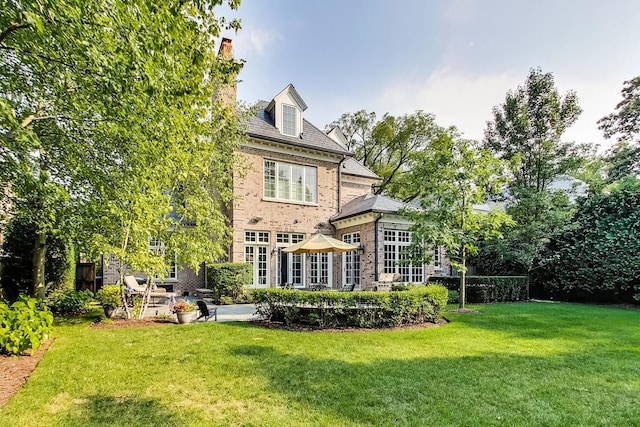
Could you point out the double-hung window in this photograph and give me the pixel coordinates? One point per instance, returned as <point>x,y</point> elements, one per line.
<point>290,182</point>
<point>289,120</point>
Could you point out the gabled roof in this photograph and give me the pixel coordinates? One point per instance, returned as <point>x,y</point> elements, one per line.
<point>369,203</point>
<point>262,126</point>
<point>353,167</point>
<point>294,94</point>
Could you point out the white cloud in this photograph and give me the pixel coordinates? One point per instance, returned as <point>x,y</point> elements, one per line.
<point>466,101</point>
<point>455,99</point>
<point>255,40</point>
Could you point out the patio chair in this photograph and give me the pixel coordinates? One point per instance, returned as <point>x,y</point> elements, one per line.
<point>135,288</point>
<point>207,312</point>
<point>348,288</point>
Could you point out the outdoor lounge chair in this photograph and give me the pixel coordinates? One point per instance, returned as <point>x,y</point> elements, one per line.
<point>135,288</point>
<point>348,288</point>
<point>207,312</point>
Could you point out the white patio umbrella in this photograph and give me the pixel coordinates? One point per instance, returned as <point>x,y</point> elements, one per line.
<point>319,243</point>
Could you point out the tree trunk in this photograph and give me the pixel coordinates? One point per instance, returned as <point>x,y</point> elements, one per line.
<point>39,254</point>
<point>463,277</point>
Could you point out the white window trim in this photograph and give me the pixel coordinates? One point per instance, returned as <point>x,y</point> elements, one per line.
<point>295,120</point>
<point>290,199</point>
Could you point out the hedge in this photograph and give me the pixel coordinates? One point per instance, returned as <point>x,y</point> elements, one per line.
<point>229,281</point>
<point>486,289</point>
<point>340,309</point>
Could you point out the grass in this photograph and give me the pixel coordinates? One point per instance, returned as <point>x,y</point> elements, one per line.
<point>513,364</point>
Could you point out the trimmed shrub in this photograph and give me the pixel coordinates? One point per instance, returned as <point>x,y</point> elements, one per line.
<point>229,281</point>
<point>110,295</point>
<point>454,297</point>
<point>340,309</point>
<point>486,289</point>
<point>69,302</point>
<point>25,325</point>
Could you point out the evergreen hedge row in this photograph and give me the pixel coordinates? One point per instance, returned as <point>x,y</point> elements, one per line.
<point>486,289</point>
<point>340,309</point>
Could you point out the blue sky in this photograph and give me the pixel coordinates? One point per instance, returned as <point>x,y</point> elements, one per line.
<point>456,59</point>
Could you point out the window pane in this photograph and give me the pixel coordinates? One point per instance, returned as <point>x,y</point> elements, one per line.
<point>310,185</point>
<point>289,120</point>
<point>284,177</point>
<point>297,183</point>
<point>269,179</point>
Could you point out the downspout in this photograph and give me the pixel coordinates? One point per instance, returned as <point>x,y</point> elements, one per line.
<point>344,157</point>
<point>377,240</point>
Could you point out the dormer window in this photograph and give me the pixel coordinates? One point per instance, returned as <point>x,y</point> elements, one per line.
<point>289,120</point>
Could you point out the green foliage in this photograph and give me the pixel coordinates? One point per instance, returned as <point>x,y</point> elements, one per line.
<point>527,128</point>
<point>526,132</point>
<point>18,260</point>
<point>598,259</point>
<point>110,295</point>
<point>390,147</point>
<point>109,131</point>
<point>623,159</point>
<point>339,309</point>
<point>454,176</point>
<point>454,297</point>
<point>625,122</point>
<point>184,306</point>
<point>488,289</point>
<point>25,325</point>
<point>68,301</point>
<point>229,282</point>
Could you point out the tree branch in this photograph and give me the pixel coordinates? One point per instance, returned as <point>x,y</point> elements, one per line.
<point>13,27</point>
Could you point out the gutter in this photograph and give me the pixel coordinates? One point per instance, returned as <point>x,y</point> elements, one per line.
<point>344,157</point>
<point>377,243</point>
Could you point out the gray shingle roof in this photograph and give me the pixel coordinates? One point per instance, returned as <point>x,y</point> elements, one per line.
<point>353,167</point>
<point>369,203</point>
<point>261,126</point>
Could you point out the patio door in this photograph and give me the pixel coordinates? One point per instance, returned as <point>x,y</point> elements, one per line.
<point>256,253</point>
<point>351,262</point>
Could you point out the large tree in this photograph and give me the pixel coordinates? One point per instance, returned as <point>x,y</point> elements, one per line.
<point>624,158</point>
<point>526,131</point>
<point>389,147</point>
<point>97,101</point>
<point>454,176</point>
<point>625,121</point>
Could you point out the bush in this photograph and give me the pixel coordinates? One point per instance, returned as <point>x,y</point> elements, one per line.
<point>486,289</point>
<point>25,325</point>
<point>597,260</point>
<point>364,309</point>
<point>69,302</point>
<point>110,295</point>
<point>454,297</point>
<point>229,280</point>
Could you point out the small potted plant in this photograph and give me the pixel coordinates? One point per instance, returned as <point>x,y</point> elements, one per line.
<point>110,298</point>
<point>185,310</point>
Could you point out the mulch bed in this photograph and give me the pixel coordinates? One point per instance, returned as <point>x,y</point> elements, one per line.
<point>15,370</point>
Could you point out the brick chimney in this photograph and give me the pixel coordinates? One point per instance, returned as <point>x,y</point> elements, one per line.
<point>227,92</point>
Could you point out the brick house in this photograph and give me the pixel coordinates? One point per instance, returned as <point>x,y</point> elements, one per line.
<point>299,181</point>
<point>302,181</point>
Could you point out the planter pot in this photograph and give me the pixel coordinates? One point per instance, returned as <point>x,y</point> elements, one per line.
<point>186,316</point>
<point>109,310</point>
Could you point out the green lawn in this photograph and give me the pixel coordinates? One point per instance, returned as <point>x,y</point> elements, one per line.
<point>517,364</point>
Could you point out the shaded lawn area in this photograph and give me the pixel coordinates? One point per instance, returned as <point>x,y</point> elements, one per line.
<point>512,364</point>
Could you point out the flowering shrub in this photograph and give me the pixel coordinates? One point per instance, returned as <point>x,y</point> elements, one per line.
<point>184,306</point>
